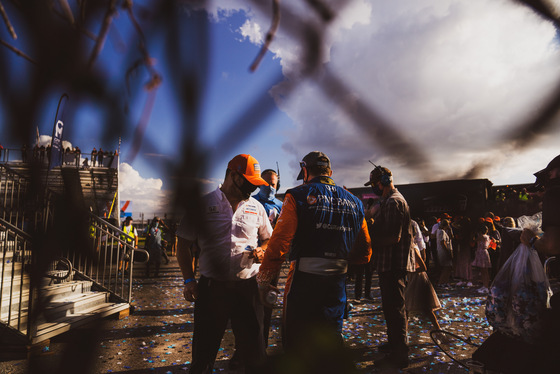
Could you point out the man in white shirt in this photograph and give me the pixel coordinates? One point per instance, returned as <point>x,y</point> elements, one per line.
<point>233,225</point>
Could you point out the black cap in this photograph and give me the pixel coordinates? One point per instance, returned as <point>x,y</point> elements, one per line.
<point>376,174</point>
<point>314,158</point>
<point>541,174</point>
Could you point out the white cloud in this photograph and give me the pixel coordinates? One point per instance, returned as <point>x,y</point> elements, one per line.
<point>145,194</point>
<point>252,31</point>
<point>454,77</point>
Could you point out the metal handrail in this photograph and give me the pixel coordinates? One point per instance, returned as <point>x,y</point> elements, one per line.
<point>15,156</point>
<point>13,189</point>
<point>17,230</point>
<point>16,249</point>
<point>111,248</point>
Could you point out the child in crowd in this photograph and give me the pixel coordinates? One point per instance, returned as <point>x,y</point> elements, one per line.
<point>482,258</point>
<point>420,295</point>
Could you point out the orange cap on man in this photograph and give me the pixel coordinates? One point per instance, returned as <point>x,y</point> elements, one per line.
<point>249,167</point>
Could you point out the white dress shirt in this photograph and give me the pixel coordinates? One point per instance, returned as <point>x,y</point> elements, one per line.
<point>229,234</point>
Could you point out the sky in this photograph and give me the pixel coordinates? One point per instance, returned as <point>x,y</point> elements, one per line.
<point>431,89</point>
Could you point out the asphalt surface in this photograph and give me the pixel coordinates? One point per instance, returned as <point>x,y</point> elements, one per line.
<point>157,337</point>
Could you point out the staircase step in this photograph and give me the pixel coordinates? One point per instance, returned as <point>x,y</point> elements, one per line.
<point>66,290</point>
<point>74,304</point>
<point>64,296</point>
<point>49,329</point>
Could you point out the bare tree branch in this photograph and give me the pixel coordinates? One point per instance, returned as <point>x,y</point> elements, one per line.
<point>17,52</point>
<point>7,21</point>
<point>67,11</point>
<point>269,35</point>
<point>111,10</point>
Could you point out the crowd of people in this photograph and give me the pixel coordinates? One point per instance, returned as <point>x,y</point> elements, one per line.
<point>69,156</point>
<point>238,243</point>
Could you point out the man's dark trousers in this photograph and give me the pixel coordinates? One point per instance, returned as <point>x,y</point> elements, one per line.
<point>217,303</point>
<point>392,285</point>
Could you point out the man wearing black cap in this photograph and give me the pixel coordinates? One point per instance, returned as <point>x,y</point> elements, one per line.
<point>234,224</point>
<point>549,243</point>
<point>321,229</point>
<point>393,249</point>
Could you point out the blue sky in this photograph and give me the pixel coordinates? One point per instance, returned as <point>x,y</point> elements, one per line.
<point>452,78</point>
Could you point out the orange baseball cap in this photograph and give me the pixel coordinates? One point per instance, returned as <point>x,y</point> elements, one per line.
<point>249,167</point>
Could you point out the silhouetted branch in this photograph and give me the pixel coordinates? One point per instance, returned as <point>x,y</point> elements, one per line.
<point>142,125</point>
<point>269,35</point>
<point>111,10</point>
<point>17,51</point>
<point>67,11</point>
<point>7,21</point>
<point>542,8</point>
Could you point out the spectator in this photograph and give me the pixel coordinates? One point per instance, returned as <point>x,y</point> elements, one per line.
<point>93,156</point>
<point>393,250</point>
<point>445,252</point>
<point>24,152</point>
<point>153,245</point>
<point>78,152</point>
<point>267,195</point>
<point>420,295</point>
<point>549,244</point>
<point>482,258</point>
<point>100,157</point>
<point>510,240</point>
<point>463,268</point>
<point>85,164</point>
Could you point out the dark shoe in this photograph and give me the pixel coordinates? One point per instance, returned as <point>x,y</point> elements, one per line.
<point>385,348</point>
<point>392,361</point>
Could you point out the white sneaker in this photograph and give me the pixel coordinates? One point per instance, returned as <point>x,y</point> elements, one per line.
<point>469,284</point>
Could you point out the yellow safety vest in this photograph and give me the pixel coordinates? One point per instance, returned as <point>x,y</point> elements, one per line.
<point>129,234</point>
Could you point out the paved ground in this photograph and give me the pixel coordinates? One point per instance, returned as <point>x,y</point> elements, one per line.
<point>156,338</point>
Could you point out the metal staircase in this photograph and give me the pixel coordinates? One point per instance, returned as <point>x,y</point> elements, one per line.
<point>46,294</point>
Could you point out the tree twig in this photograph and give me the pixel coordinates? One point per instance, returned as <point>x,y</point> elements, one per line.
<point>67,11</point>
<point>17,52</point>
<point>269,35</point>
<point>7,21</point>
<point>111,9</point>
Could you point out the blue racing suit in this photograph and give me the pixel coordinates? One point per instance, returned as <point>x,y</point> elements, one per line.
<point>322,226</point>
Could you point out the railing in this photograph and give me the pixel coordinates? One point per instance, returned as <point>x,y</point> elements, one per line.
<point>112,266</point>
<point>15,300</point>
<point>20,207</point>
<point>71,158</point>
